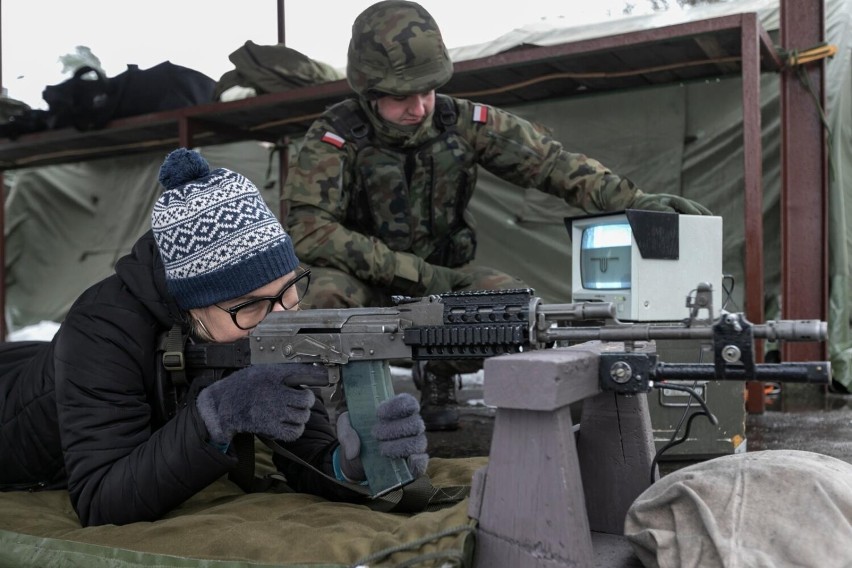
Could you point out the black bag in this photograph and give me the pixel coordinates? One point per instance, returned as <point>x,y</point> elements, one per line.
<point>165,86</point>
<point>90,103</point>
<point>24,122</point>
<point>82,102</point>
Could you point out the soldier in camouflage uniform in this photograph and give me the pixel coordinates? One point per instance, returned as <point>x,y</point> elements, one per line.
<point>379,191</point>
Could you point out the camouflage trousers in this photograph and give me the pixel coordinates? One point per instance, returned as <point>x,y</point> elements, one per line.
<point>332,288</point>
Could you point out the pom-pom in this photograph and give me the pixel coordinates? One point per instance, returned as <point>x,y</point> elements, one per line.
<point>182,166</point>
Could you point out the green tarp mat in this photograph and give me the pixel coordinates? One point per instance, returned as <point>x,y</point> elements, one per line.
<point>223,527</point>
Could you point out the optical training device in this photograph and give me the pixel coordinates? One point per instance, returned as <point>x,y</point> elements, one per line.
<point>641,261</point>
<point>648,265</point>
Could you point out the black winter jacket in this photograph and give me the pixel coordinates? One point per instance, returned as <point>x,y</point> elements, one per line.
<point>82,408</point>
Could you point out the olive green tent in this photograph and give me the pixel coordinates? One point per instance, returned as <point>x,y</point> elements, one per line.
<point>66,225</point>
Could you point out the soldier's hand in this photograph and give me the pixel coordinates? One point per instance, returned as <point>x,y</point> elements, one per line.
<point>443,279</point>
<point>667,202</point>
<point>416,277</point>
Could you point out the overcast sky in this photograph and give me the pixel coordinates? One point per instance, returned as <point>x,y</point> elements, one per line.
<point>200,34</point>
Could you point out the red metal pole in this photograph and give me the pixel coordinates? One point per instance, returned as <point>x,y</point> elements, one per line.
<point>804,179</point>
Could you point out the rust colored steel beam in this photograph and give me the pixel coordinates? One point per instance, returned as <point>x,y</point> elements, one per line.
<point>804,179</point>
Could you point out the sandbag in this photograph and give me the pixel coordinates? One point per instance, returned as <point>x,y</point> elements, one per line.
<point>768,509</point>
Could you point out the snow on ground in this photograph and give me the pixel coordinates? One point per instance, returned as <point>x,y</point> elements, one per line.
<point>42,331</point>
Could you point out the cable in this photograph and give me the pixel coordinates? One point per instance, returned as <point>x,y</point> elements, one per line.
<point>791,59</point>
<point>796,59</point>
<point>527,83</point>
<point>594,75</point>
<point>683,417</point>
<point>696,396</point>
<point>729,292</point>
<point>673,441</point>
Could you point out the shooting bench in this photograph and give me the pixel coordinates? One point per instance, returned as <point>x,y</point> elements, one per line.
<point>549,498</point>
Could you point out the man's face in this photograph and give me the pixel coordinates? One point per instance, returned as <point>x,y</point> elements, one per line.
<point>406,110</point>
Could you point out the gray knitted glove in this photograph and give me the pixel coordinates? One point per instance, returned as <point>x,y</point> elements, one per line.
<point>399,431</point>
<point>350,450</point>
<point>257,400</point>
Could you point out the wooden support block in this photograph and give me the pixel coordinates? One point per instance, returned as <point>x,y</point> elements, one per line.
<point>530,501</point>
<point>616,449</point>
<point>532,511</point>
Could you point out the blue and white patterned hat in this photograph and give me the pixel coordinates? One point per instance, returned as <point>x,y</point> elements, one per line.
<point>217,237</point>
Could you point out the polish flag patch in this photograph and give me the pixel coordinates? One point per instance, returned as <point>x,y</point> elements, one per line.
<point>333,139</point>
<point>480,113</point>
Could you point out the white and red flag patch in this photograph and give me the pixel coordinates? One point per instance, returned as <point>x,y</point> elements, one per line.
<point>333,139</point>
<point>480,113</point>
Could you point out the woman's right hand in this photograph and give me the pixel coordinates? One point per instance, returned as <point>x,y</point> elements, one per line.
<point>257,400</point>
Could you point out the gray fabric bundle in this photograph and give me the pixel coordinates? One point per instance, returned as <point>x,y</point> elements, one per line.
<point>776,508</point>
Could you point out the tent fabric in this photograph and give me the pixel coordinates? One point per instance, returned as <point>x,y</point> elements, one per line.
<point>769,509</point>
<point>686,140</point>
<point>67,225</point>
<point>697,153</point>
<point>223,527</point>
<point>554,32</point>
<point>687,143</point>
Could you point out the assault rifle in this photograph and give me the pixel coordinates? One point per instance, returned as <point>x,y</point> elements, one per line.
<point>356,345</point>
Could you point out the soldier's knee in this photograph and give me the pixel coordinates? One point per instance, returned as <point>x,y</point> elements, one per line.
<point>332,288</point>
<point>326,299</point>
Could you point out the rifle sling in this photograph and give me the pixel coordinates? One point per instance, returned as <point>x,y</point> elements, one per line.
<point>418,496</point>
<point>243,475</point>
<point>172,345</point>
<point>232,356</point>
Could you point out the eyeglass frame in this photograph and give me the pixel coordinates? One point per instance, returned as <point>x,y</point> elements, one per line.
<point>279,297</point>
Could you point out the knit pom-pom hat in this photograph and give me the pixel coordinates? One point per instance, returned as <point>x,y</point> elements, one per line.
<point>217,237</point>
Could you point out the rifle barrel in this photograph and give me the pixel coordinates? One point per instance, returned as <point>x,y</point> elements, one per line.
<point>788,330</point>
<point>818,372</point>
<point>792,330</point>
<point>577,312</point>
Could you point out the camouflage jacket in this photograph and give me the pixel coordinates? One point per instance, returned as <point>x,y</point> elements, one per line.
<point>360,190</point>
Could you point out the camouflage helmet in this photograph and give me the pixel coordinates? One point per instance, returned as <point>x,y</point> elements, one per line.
<point>396,49</point>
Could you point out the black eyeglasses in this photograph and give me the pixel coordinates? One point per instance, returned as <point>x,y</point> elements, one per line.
<point>248,314</point>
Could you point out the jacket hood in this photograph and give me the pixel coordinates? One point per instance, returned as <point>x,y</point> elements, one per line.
<point>144,275</point>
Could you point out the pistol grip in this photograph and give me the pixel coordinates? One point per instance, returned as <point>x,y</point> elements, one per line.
<point>366,384</point>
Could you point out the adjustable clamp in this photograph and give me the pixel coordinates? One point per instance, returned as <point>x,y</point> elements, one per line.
<point>626,373</point>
